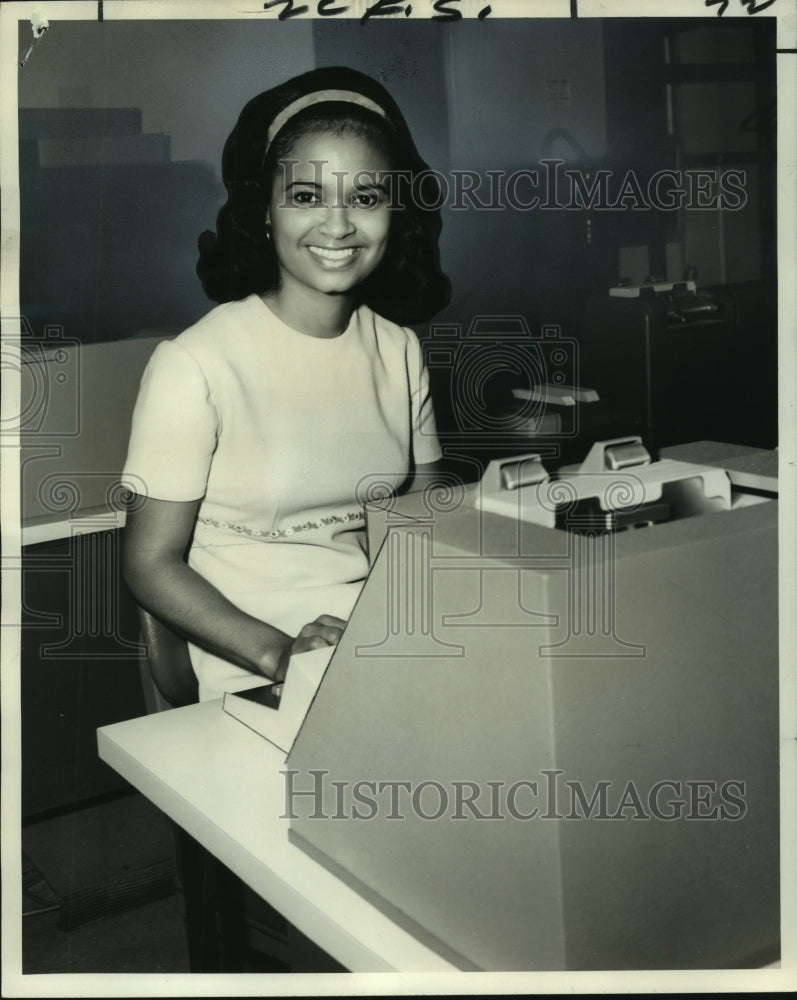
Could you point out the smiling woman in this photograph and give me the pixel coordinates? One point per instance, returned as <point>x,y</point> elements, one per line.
<point>329,223</point>
<point>334,102</point>
<point>254,429</point>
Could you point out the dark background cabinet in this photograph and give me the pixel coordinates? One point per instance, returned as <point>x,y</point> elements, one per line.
<point>80,658</point>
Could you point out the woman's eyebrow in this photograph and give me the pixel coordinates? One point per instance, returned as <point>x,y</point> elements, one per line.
<point>371,186</point>
<point>314,184</point>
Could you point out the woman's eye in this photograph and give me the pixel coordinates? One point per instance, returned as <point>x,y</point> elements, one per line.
<point>304,198</point>
<point>365,199</point>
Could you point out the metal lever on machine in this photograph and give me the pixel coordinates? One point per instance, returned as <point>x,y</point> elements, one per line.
<point>656,491</point>
<point>514,473</point>
<point>616,454</point>
<point>505,486</point>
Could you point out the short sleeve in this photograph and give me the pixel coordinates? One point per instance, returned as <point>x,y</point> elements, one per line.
<point>425,445</point>
<point>174,429</point>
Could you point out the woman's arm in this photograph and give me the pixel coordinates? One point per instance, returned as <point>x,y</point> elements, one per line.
<point>155,541</point>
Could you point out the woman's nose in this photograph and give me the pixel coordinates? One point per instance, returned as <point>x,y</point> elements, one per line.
<point>337,222</point>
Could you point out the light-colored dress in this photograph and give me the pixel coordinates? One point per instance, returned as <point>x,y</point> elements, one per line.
<point>278,433</point>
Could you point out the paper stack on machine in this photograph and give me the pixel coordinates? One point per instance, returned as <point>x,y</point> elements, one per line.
<point>276,711</point>
<point>577,723</point>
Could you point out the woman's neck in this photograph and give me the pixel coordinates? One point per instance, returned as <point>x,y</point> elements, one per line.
<point>313,313</point>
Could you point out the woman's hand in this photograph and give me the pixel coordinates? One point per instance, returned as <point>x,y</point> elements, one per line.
<point>326,630</point>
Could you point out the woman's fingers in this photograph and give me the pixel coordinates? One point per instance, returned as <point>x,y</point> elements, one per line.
<point>303,644</point>
<point>326,630</point>
<point>326,634</point>
<point>338,623</point>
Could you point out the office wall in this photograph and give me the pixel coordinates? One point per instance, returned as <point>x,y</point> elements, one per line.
<point>109,239</point>
<point>499,95</point>
<point>190,78</point>
<point>477,96</point>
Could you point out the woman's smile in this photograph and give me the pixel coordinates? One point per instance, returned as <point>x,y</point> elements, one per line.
<point>332,257</point>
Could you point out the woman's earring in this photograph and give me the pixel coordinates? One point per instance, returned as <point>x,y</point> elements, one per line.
<point>268,230</point>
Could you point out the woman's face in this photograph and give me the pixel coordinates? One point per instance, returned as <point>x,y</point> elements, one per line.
<point>329,213</point>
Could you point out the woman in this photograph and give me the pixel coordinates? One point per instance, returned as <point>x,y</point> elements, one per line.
<point>255,427</point>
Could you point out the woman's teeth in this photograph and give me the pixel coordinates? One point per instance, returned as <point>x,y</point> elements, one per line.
<point>326,254</point>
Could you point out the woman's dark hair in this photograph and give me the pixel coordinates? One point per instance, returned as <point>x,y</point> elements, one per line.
<point>238,259</point>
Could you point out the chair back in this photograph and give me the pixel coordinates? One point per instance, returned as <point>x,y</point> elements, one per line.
<point>168,664</point>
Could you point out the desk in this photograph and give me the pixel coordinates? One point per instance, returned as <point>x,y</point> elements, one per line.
<point>77,404</point>
<point>221,783</point>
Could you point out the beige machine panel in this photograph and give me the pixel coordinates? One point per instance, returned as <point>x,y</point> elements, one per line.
<point>543,748</point>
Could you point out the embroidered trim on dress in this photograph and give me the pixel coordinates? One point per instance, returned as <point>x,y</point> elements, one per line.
<point>265,536</point>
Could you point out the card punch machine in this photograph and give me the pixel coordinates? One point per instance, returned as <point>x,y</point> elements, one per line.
<point>553,735</point>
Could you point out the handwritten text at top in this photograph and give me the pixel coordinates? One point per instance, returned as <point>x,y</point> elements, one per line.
<point>753,6</point>
<point>441,10</point>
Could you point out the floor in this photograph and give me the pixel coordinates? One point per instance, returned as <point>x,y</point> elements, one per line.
<point>98,896</point>
<point>98,892</point>
<point>148,938</point>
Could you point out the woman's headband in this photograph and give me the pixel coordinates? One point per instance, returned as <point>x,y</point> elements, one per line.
<point>316,97</point>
